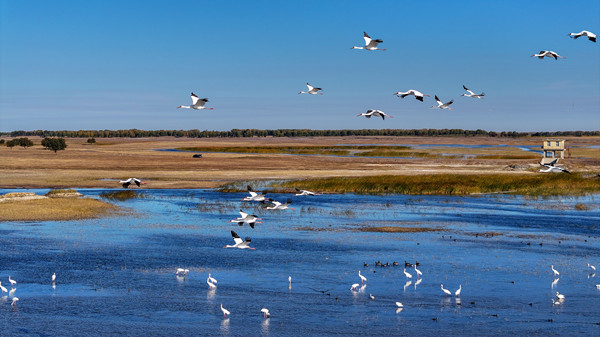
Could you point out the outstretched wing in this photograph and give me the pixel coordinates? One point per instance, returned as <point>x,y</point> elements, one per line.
<point>470,92</point>
<point>310,87</point>
<point>236,238</point>
<point>243,214</point>
<point>367,39</point>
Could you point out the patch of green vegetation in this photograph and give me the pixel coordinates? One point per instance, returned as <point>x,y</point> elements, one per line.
<point>121,195</point>
<point>455,184</point>
<point>333,150</point>
<point>55,192</point>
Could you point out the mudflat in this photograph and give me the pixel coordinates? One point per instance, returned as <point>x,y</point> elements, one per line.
<point>151,159</point>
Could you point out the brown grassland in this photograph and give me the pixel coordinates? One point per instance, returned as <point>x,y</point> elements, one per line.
<point>54,209</point>
<point>102,164</point>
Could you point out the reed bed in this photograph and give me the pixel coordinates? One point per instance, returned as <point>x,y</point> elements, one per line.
<point>122,195</point>
<point>455,184</point>
<point>335,150</point>
<point>55,209</point>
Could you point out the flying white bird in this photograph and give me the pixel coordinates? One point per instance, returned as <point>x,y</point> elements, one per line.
<point>197,103</point>
<point>250,219</point>
<point>457,293</point>
<point>130,181</point>
<point>362,278</point>
<point>265,312</point>
<point>441,105</point>
<point>239,243</point>
<point>12,282</point>
<point>311,90</point>
<point>305,192</point>
<point>548,53</point>
<point>591,36</point>
<point>550,167</point>
<point>280,206</point>
<point>407,274</point>
<point>255,196</point>
<point>370,44</point>
<point>472,94</point>
<point>446,291</point>
<point>375,113</point>
<point>418,95</point>
<point>556,273</point>
<point>225,311</point>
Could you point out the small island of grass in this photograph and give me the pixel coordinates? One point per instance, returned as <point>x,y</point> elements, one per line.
<point>57,205</point>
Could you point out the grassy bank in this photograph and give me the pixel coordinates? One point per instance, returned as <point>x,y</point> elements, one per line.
<point>49,209</point>
<point>339,150</point>
<point>453,184</point>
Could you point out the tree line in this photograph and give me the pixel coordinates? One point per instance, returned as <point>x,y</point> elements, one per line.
<point>238,133</point>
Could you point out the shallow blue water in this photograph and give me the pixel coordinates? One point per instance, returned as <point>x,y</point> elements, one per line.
<point>116,275</point>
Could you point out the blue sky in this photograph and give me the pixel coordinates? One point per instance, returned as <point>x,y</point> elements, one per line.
<point>70,65</point>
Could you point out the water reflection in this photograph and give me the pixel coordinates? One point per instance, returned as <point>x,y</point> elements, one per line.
<point>210,295</point>
<point>418,282</point>
<point>554,282</point>
<point>407,284</point>
<point>264,327</point>
<point>225,326</point>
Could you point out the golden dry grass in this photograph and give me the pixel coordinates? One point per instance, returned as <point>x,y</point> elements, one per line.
<point>102,164</point>
<point>48,209</point>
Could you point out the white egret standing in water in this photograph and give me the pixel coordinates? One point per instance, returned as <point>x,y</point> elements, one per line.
<point>225,311</point>
<point>446,291</point>
<point>556,273</point>
<point>362,278</point>
<point>457,293</point>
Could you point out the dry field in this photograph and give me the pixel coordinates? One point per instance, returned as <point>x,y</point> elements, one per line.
<point>54,209</point>
<point>103,163</point>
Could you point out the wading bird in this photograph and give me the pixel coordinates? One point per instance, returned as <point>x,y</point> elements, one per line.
<point>592,267</point>
<point>375,113</point>
<point>266,313</point>
<point>457,293</point>
<point>547,53</point>
<point>210,284</point>
<point>225,311</point>
<point>370,44</point>
<point>362,278</point>
<point>441,105</point>
<point>472,94</point>
<point>399,305</point>
<point>53,277</point>
<point>239,243</point>
<point>407,274</point>
<point>418,95</point>
<point>12,282</point>
<point>355,286</point>
<point>418,271</point>
<point>560,297</point>
<point>14,301</point>
<point>556,273</point>
<point>130,181</point>
<point>212,279</point>
<point>311,90</point>
<point>197,103</point>
<point>4,290</point>
<point>446,291</point>
<point>591,36</point>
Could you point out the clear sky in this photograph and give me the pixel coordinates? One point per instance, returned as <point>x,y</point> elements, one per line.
<point>71,65</point>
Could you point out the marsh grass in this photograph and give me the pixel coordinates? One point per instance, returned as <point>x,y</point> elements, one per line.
<point>122,195</point>
<point>55,209</point>
<point>333,150</point>
<point>70,193</point>
<point>455,184</point>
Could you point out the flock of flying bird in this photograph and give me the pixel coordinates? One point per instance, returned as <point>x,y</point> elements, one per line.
<point>371,45</point>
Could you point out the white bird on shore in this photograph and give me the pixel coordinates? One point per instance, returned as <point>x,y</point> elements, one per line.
<point>560,296</point>
<point>4,290</point>
<point>419,273</point>
<point>130,181</point>
<point>375,113</point>
<point>311,90</point>
<point>197,103</point>
<point>250,219</point>
<point>12,282</point>
<point>441,105</point>
<point>547,53</point>
<point>591,36</point>
<point>266,313</point>
<point>418,95</point>
<point>407,274</point>
<point>14,301</point>
<point>370,44</point>
<point>362,278</point>
<point>446,291</point>
<point>239,243</point>
<point>280,206</point>
<point>472,94</point>
<point>225,311</point>
<point>305,192</point>
<point>457,293</point>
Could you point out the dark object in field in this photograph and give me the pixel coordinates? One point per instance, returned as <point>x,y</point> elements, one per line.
<point>197,155</point>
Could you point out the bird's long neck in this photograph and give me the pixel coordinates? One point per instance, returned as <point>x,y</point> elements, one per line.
<point>184,107</point>
<point>355,47</point>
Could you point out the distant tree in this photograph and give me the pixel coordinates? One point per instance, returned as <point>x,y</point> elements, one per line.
<point>1,141</point>
<point>54,144</point>
<point>24,142</point>
<point>91,140</point>
<point>11,143</point>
